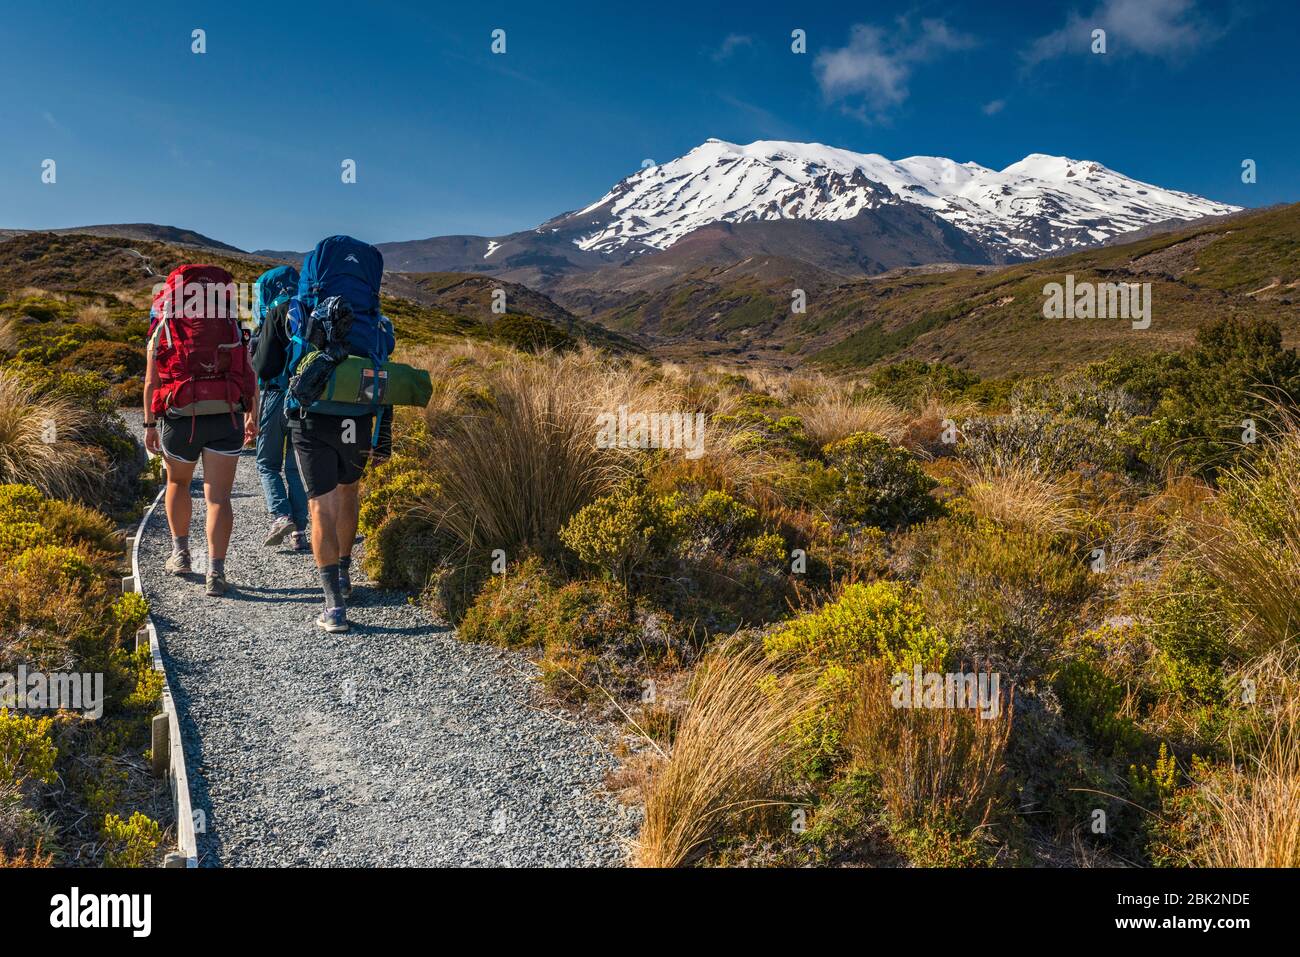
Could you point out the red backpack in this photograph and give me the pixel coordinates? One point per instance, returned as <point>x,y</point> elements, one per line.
<point>199,347</point>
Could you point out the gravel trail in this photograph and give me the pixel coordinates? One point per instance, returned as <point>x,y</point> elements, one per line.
<point>395,744</point>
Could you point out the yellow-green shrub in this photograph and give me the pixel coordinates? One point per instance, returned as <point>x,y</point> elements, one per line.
<point>133,842</point>
<point>882,622</point>
<point>506,610</point>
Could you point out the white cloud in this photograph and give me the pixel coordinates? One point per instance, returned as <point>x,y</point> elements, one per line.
<point>732,43</point>
<point>873,71</point>
<point>993,106</point>
<point>1163,28</point>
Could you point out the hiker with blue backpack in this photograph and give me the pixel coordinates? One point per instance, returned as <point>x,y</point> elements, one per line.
<point>341,386</point>
<point>286,499</point>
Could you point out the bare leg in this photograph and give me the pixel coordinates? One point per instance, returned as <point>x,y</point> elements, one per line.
<point>324,511</point>
<point>349,506</point>
<point>218,479</point>
<point>177,500</point>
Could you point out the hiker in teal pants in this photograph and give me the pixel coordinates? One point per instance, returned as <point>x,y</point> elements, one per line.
<point>286,499</point>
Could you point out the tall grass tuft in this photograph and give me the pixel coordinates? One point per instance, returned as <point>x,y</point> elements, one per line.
<point>1254,809</point>
<point>1015,494</point>
<point>1250,544</point>
<point>518,462</point>
<point>39,440</point>
<point>731,745</point>
<point>835,414</point>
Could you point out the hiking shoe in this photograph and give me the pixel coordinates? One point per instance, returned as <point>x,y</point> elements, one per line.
<point>333,620</point>
<point>216,584</point>
<point>178,563</point>
<point>280,528</point>
<point>301,542</point>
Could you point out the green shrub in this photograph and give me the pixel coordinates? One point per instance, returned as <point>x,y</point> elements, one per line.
<point>875,483</point>
<point>131,843</point>
<point>613,534</point>
<point>530,334</point>
<point>506,610</point>
<point>1006,597</point>
<point>1186,622</point>
<point>588,633</point>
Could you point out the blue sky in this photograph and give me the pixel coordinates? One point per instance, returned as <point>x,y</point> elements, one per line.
<point>244,142</point>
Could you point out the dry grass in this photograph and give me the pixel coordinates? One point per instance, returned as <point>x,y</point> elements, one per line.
<point>39,440</point>
<point>834,414</point>
<point>1254,810</point>
<point>1016,495</point>
<point>9,342</point>
<point>933,763</point>
<point>1250,544</point>
<point>726,758</point>
<point>95,314</point>
<point>517,465</point>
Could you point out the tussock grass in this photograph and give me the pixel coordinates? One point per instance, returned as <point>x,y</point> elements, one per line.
<point>60,468</point>
<point>517,464</point>
<point>9,341</point>
<point>1016,495</point>
<point>1250,544</point>
<point>731,744</point>
<point>1254,809</point>
<point>835,414</point>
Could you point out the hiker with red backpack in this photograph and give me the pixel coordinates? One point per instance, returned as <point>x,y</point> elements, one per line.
<point>200,402</point>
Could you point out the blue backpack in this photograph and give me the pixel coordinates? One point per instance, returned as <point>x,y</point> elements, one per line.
<point>345,267</point>
<point>272,288</point>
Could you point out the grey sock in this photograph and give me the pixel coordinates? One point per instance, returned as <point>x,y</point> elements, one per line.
<point>329,579</point>
<point>180,543</point>
<point>217,566</point>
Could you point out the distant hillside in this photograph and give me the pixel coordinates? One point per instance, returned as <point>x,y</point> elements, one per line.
<point>424,306</point>
<point>139,231</point>
<point>988,319</point>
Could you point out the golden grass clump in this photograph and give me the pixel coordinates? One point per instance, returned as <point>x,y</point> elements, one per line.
<point>1249,542</point>
<point>39,440</point>
<point>514,466</point>
<point>1017,495</point>
<point>1254,808</point>
<point>835,414</point>
<point>731,745</point>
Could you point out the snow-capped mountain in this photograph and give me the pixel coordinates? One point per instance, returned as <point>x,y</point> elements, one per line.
<point>1038,206</point>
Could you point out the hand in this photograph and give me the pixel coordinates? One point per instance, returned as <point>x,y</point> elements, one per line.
<point>250,428</point>
<point>152,443</point>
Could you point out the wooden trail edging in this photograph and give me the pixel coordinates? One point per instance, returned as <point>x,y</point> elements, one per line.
<point>168,751</point>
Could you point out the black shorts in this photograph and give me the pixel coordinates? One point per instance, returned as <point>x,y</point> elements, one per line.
<point>331,450</point>
<point>185,438</point>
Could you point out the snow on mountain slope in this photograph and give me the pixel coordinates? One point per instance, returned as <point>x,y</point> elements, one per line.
<point>1040,205</point>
